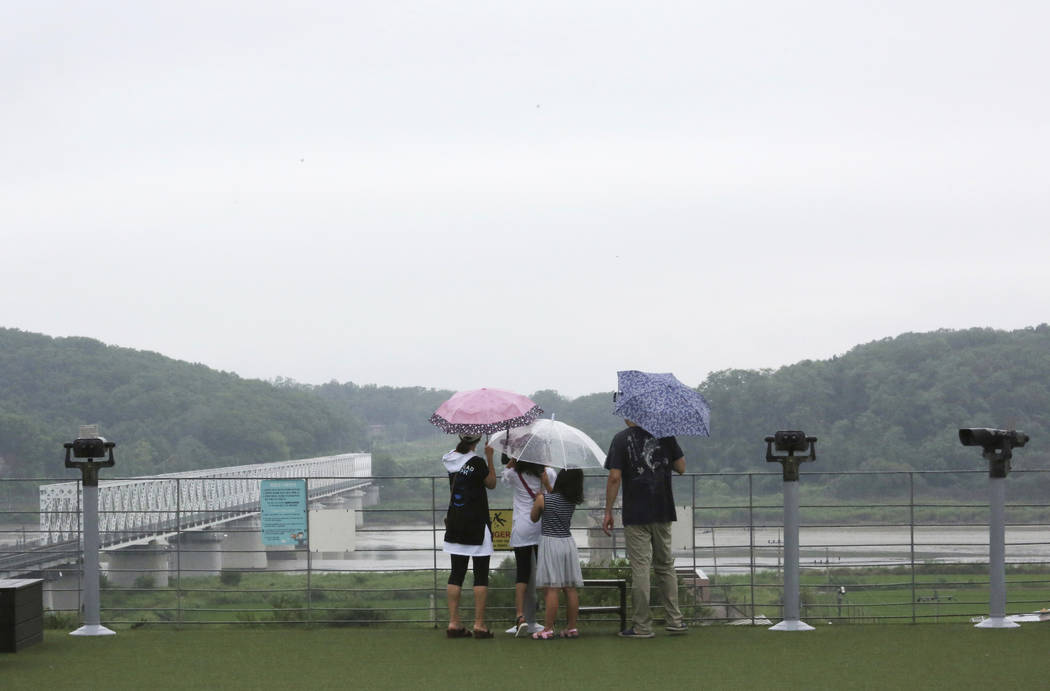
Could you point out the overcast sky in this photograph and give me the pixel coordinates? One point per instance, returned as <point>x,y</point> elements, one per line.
<point>525,195</point>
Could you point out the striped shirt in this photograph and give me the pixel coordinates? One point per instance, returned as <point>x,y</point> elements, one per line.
<point>557,515</point>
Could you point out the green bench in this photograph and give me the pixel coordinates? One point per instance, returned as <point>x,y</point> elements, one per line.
<point>620,609</point>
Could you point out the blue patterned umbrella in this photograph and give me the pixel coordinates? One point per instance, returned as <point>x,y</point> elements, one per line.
<point>661,405</point>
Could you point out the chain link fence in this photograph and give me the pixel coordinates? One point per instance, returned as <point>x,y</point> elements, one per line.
<point>907,546</point>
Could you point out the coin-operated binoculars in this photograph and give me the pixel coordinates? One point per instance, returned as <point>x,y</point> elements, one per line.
<point>998,446</point>
<point>89,447</point>
<point>791,441</point>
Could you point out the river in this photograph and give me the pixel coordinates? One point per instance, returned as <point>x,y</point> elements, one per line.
<point>729,550</point>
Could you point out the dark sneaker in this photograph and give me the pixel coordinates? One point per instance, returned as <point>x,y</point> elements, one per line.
<point>680,629</point>
<point>631,633</point>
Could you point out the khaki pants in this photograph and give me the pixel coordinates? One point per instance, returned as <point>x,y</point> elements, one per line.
<point>649,546</point>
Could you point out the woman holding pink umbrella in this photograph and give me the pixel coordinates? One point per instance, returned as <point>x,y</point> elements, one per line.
<point>468,534</point>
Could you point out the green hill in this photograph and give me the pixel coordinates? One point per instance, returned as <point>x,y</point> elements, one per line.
<point>890,404</point>
<point>164,414</point>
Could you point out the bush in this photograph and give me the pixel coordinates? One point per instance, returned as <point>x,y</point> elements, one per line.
<point>248,618</point>
<point>288,608</point>
<point>61,620</point>
<point>353,617</point>
<point>231,578</point>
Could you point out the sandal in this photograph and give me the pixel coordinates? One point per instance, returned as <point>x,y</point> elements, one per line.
<point>545,635</point>
<point>521,627</point>
<point>570,633</point>
<point>482,633</point>
<point>457,633</point>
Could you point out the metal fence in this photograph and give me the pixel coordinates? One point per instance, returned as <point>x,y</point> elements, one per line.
<point>906,546</point>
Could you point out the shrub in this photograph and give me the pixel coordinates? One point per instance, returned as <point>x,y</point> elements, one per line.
<point>287,608</point>
<point>353,617</point>
<point>61,620</point>
<point>248,618</point>
<point>231,578</point>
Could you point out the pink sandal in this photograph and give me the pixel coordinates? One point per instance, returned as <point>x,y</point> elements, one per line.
<point>545,635</point>
<point>570,633</point>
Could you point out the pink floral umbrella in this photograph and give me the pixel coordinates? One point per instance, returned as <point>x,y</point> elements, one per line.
<point>484,411</point>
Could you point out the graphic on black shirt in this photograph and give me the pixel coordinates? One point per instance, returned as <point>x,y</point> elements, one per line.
<point>645,463</point>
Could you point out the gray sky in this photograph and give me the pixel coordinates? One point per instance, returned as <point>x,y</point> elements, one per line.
<point>523,195</point>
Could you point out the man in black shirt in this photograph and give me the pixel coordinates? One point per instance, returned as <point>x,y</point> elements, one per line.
<point>642,464</point>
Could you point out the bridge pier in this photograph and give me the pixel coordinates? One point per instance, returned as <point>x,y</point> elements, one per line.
<point>198,553</point>
<point>242,548</point>
<point>355,501</point>
<point>286,558</point>
<point>600,547</point>
<point>352,501</point>
<point>126,565</point>
<point>62,590</point>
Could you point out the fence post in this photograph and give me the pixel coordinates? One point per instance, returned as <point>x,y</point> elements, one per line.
<point>433,538</point>
<point>911,523</point>
<point>178,550</point>
<point>309,559</point>
<point>692,550</point>
<point>80,542</point>
<point>751,530</point>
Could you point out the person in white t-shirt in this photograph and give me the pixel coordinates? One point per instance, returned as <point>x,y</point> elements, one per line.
<point>526,480</point>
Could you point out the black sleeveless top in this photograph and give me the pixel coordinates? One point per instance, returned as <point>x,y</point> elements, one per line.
<point>468,504</point>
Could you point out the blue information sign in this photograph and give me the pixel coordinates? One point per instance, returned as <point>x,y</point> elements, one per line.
<point>283,512</point>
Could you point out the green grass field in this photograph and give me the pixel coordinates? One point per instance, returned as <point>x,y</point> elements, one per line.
<point>949,656</point>
<point>938,595</point>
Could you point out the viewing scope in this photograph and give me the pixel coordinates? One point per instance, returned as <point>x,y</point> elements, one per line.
<point>992,438</point>
<point>90,447</point>
<point>791,441</point>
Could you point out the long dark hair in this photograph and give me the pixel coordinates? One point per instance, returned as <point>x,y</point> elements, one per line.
<point>533,469</point>
<point>570,485</point>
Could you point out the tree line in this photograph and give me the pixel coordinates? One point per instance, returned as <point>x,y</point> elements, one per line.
<point>893,404</point>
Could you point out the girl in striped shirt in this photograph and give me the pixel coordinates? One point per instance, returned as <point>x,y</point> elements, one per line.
<point>558,566</point>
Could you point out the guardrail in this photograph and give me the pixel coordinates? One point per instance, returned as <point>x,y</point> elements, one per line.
<point>875,547</point>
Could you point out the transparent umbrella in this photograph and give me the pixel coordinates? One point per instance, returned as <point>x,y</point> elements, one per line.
<point>550,443</point>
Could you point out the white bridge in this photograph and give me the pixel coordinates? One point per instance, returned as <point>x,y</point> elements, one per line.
<point>142,510</point>
<point>136,510</point>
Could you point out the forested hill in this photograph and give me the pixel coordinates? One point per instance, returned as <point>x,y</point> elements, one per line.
<point>894,403</point>
<point>891,404</point>
<point>165,415</point>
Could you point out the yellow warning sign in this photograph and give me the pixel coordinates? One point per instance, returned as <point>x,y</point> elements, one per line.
<point>501,521</point>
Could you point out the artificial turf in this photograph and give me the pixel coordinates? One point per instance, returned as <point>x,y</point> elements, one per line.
<point>931,656</point>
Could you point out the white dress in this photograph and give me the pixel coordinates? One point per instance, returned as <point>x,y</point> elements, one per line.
<point>523,532</point>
